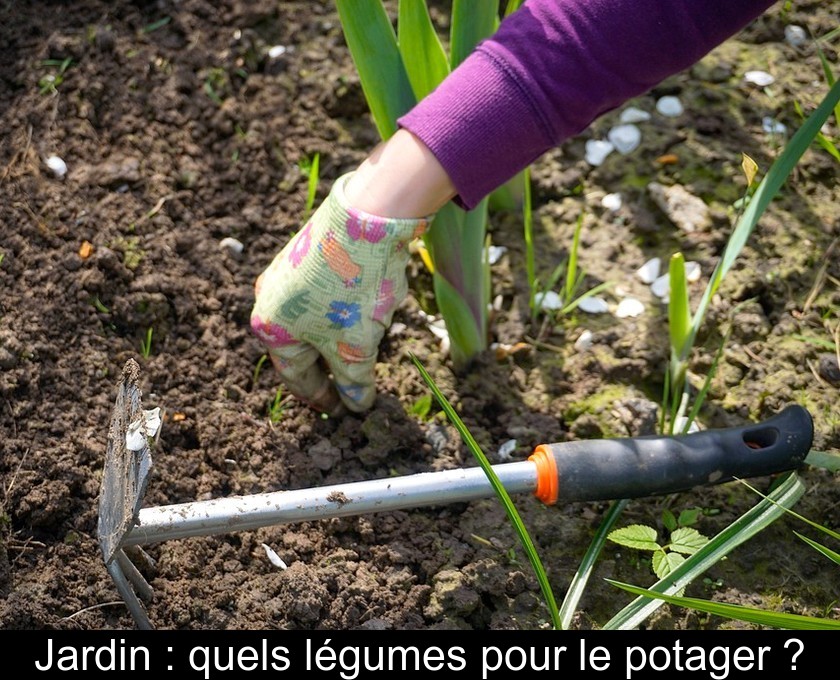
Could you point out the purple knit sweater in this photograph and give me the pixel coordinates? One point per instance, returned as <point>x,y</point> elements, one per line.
<point>551,69</point>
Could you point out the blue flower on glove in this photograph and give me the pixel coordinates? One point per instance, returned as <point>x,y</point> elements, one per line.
<point>344,314</point>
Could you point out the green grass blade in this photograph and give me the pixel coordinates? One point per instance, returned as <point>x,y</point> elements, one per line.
<point>528,226</point>
<point>828,552</point>
<point>373,46</point>
<point>572,267</point>
<point>829,77</point>
<point>471,22</point>
<point>587,564</point>
<point>592,291</point>
<point>764,194</point>
<point>422,53</point>
<point>738,612</point>
<point>792,513</point>
<point>501,492</point>
<point>767,511</point>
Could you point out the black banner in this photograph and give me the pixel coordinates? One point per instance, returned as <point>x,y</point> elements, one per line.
<point>353,655</point>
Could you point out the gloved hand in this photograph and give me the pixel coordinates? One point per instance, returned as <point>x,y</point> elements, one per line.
<point>325,301</point>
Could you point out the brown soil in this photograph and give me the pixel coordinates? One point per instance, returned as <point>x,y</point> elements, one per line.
<point>182,133</point>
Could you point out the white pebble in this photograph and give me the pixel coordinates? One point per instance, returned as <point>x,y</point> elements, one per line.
<point>276,51</point>
<point>772,126</point>
<point>661,287</point>
<point>147,425</point>
<point>633,115</point>
<point>506,449</point>
<point>649,270</point>
<point>597,151</point>
<point>584,342</point>
<point>612,202</point>
<point>494,253</point>
<point>625,138</point>
<point>593,305</point>
<point>795,35</point>
<point>629,307</point>
<point>548,301</point>
<point>232,245</point>
<point>669,106</point>
<point>274,558</point>
<point>57,165</point>
<point>760,78</point>
<point>692,271</point>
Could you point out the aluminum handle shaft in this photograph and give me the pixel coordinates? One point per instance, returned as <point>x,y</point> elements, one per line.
<point>245,513</point>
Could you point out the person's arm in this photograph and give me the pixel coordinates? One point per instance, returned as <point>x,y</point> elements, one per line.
<point>551,69</point>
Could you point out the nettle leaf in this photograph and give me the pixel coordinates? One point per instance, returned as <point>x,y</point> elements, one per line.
<point>689,517</point>
<point>637,536</point>
<point>687,541</point>
<point>666,562</point>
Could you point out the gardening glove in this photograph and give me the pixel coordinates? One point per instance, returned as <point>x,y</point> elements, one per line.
<point>325,301</point>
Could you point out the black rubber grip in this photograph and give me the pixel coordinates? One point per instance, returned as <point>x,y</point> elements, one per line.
<point>606,469</point>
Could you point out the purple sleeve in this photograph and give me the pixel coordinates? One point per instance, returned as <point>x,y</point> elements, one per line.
<point>551,69</point>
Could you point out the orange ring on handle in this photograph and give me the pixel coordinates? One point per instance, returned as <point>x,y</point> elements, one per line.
<point>548,481</point>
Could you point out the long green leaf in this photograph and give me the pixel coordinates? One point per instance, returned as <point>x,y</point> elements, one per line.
<point>738,612</point>
<point>422,53</point>
<point>679,317</point>
<point>471,23</point>
<point>498,487</point>
<point>823,459</point>
<point>767,511</point>
<point>587,564</point>
<point>833,555</point>
<point>373,46</point>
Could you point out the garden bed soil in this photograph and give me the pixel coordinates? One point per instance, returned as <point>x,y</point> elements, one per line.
<point>179,130</point>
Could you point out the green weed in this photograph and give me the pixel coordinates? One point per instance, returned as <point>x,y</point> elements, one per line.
<point>146,344</point>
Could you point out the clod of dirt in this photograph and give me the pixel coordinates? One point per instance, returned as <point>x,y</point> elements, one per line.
<point>683,208</point>
<point>829,368</point>
<point>116,170</point>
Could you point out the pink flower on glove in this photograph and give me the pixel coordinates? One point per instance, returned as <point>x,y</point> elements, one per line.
<point>271,334</point>
<point>368,228</point>
<point>300,245</point>
<point>385,300</point>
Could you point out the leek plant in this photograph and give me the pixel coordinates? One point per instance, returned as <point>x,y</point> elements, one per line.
<point>397,69</point>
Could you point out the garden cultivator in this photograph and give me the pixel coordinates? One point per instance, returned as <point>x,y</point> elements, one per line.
<point>603,469</point>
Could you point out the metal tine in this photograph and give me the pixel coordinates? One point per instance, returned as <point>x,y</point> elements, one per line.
<point>141,586</point>
<point>139,556</point>
<point>124,587</point>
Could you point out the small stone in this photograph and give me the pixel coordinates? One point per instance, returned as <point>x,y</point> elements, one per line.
<point>629,307</point>
<point>549,301</point>
<point>772,126</point>
<point>58,166</point>
<point>692,271</point>
<point>669,106</point>
<point>625,138</point>
<point>634,115</point>
<point>597,151</point>
<point>760,78</point>
<point>584,341</point>
<point>494,253</point>
<point>649,270</point>
<point>232,245</point>
<point>795,36</point>
<point>276,51</point>
<point>661,288</point>
<point>593,305</point>
<point>612,202</point>
<point>685,210</point>
<point>506,450</point>
<point>829,368</point>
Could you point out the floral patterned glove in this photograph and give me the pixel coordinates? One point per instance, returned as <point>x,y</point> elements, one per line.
<point>324,303</point>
